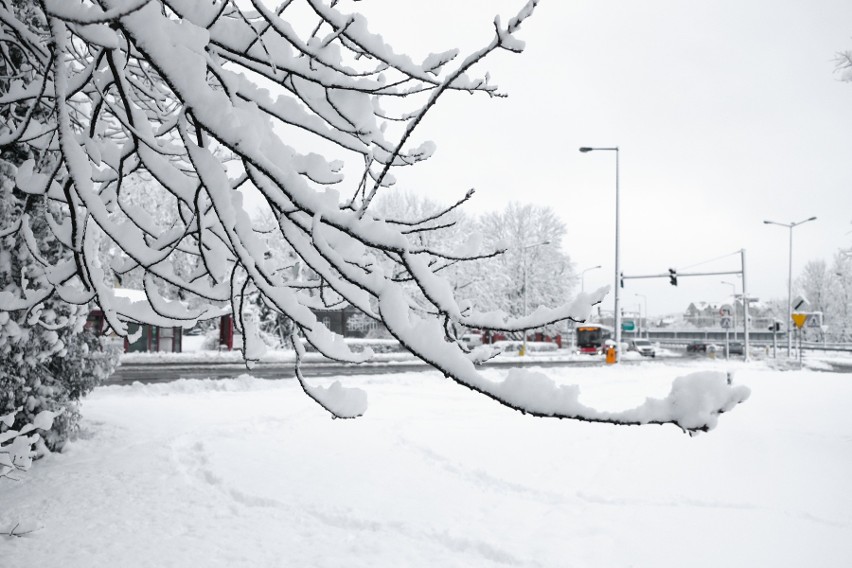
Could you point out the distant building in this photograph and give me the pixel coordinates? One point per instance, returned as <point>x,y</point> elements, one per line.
<point>141,337</point>
<point>707,316</point>
<point>349,321</point>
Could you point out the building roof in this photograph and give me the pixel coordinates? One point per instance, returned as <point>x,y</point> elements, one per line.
<point>131,294</point>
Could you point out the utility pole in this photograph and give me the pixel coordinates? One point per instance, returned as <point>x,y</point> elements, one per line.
<point>745,307</point>
<point>790,226</point>
<point>617,294</point>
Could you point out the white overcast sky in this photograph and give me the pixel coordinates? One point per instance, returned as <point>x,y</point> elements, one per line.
<point>726,112</point>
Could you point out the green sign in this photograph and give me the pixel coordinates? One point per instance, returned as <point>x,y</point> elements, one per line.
<point>628,325</point>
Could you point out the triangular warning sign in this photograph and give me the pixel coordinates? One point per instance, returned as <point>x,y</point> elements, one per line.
<point>800,319</point>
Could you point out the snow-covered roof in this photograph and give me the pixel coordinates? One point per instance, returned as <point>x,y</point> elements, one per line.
<point>131,294</point>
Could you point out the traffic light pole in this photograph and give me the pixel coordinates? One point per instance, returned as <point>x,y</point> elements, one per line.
<point>774,340</point>
<point>677,275</point>
<point>673,275</point>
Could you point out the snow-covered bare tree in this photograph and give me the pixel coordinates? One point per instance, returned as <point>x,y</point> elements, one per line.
<point>844,65</point>
<point>814,283</point>
<point>450,229</point>
<point>115,87</point>
<point>828,290</point>
<point>839,318</point>
<point>533,271</point>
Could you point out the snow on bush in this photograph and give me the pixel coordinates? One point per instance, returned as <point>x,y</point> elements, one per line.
<point>47,361</point>
<point>19,447</point>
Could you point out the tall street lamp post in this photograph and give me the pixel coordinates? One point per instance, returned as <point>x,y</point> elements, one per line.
<point>617,299</point>
<point>790,226</point>
<point>583,277</point>
<point>524,266</point>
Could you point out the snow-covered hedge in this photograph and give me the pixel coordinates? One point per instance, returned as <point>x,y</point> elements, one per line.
<point>511,346</point>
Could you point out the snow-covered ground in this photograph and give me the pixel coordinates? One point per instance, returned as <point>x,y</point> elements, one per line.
<point>249,472</point>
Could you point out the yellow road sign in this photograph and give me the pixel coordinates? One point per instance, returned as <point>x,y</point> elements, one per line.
<point>800,319</point>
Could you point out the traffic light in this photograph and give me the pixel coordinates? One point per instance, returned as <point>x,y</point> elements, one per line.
<point>775,326</point>
<point>621,279</point>
<point>672,276</point>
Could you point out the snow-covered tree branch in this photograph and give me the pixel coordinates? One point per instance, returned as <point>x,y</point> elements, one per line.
<point>844,65</point>
<point>210,99</point>
<point>19,447</point>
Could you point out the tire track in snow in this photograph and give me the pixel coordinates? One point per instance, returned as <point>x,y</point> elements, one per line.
<point>193,459</point>
<point>481,477</point>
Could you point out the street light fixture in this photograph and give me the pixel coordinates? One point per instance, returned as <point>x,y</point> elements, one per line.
<point>583,277</point>
<point>617,298</point>
<point>790,226</point>
<point>524,266</point>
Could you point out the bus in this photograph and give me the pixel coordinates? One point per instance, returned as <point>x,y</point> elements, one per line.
<point>592,337</point>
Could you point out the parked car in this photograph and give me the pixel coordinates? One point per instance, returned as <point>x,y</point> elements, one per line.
<point>697,347</point>
<point>643,347</point>
<point>736,348</point>
<point>472,339</point>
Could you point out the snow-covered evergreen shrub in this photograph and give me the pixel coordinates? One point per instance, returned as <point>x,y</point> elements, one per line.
<point>89,359</point>
<point>47,360</point>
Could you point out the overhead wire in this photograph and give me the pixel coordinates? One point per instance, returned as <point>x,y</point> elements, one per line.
<point>709,261</point>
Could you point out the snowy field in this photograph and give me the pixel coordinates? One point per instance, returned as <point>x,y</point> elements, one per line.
<point>252,473</point>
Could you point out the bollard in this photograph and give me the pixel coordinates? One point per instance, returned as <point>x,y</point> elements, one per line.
<point>610,355</point>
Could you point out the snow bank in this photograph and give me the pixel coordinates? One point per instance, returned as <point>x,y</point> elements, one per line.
<point>242,383</point>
